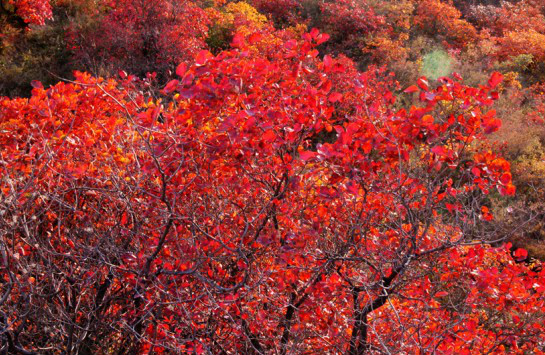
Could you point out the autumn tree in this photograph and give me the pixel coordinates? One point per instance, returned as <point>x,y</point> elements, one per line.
<point>38,48</point>
<point>21,13</point>
<point>139,36</point>
<point>269,201</point>
<point>446,20</point>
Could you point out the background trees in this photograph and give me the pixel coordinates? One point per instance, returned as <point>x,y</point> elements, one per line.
<point>140,37</point>
<point>21,13</point>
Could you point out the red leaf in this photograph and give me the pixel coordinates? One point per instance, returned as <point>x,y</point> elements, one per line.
<point>181,69</point>
<point>441,294</point>
<point>491,126</point>
<point>238,41</point>
<point>291,44</point>
<point>411,89</point>
<point>495,79</point>
<point>449,207</point>
<point>423,83</point>
<point>170,86</point>
<point>328,62</point>
<point>439,150</point>
<point>505,178</point>
<point>156,112</point>
<point>203,57</point>
<point>339,68</point>
<point>335,97</point>
<point>324,37</point>
<point>306,155</point>
<point>388,272</point>
<point>520,254</point>
<point>508,190</point>
<point>485,214</point>
<point>313,53</point>
<point>471,325</point>
<point>124,219</point>
<point>254,38</point>
<point>269,136</point>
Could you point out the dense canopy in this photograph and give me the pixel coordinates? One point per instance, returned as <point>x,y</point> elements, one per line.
<point>260,193</point>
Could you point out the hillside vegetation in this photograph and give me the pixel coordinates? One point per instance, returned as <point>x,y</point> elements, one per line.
<point>272,177</point>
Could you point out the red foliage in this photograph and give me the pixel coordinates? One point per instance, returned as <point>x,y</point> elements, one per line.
<point>282,12</point>
<point>512,16</point>
<point>348,22</point>
<point>267,202</point>
<point>515,27</point>
<point>437,17</point>
<point>537,94</point>
<point>142,36</point>
<point>32,11</point>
